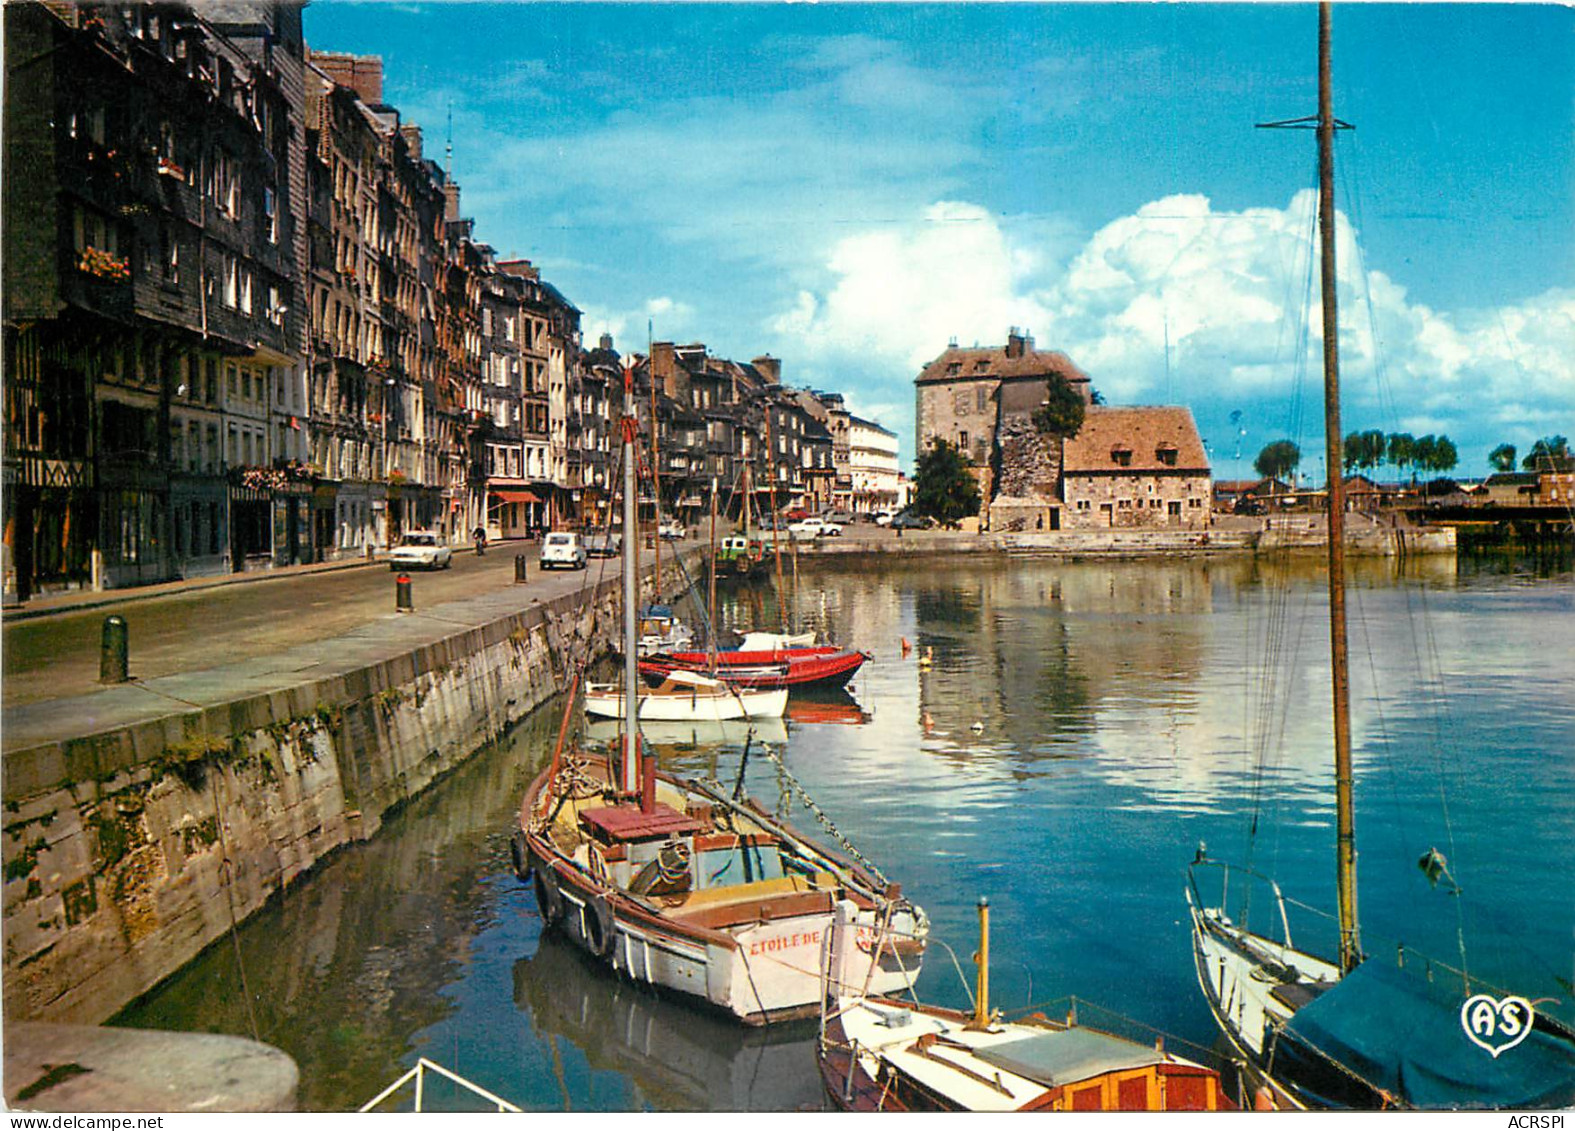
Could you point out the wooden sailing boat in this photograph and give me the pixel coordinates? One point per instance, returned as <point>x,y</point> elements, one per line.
<point>880,1054</point>
<point>1357,1031</point>
<point>681,885</point>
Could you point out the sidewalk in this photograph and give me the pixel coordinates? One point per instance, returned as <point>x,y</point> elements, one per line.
<point>78,599</point>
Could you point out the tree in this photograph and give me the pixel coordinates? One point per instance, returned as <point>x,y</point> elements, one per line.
<point>1277,459</point>
<point>1502,458</point>
<point>1422,451</point>
<point>1551,453</point>
<point>1402,449</point>
<point>943,487</point>
<point>1364,450</point>
<point>1445,456</point>
<point>1061,415</point>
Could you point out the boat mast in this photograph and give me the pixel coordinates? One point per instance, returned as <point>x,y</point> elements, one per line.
<point>1345,816</point>
<point>629,778</point>
<point>776,523</point>
<point>710,603</point>
<point>656,467</point>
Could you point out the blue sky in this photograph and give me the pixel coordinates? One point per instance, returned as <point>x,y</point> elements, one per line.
<point>848,187</point>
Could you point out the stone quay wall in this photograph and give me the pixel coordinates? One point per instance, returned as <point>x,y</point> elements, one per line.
<point>1364,538</point>
<point>130,848</point>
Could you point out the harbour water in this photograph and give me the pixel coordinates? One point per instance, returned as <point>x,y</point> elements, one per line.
<point>1060,740</point>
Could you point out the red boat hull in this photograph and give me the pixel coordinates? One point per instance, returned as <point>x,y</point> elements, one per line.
<point>795,667</point>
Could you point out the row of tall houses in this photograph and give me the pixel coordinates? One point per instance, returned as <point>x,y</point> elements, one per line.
<point>1127,467</point>
<point>733,429</point>
<point>246,323</point>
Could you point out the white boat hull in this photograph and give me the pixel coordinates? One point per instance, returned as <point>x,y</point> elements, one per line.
<point>606,701</point>
<point>762,973</point>
<point>1240,989</point>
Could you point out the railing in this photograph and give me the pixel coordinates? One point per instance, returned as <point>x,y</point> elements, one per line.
<point>418,1074</point>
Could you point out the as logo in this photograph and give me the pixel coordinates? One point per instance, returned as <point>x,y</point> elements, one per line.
<point>1494,1024</point>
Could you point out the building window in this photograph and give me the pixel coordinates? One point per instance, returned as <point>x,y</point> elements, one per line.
<point>1121,457</point>
<point>1166,455</point>
<point>271,214</point>
<point>962,442</point>
<point>170,256</point>
<point>982,394</point>
<point>224,188</point>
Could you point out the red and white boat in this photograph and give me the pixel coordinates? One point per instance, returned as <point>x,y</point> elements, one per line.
<point>819,666</point>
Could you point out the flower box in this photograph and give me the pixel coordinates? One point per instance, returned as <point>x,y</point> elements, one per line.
<point>102,265</point>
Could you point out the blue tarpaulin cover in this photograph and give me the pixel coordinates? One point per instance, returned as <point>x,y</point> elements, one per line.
<point>1399,1032</point>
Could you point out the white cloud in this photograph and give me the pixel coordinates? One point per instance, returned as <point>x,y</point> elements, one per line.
<point>667,318</point>
<point>1225,288</point>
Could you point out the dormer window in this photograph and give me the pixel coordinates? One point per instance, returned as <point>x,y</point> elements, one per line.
<point>954,368</point>
<point>1166,454</point>
<point>1121,457</point>
<point>982,366</point>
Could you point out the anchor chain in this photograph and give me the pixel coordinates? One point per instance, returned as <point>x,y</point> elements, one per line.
<point>825,821</point>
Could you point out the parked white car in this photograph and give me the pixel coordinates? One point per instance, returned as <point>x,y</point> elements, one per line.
<point>562,550</point>
<point>671,531</point>
<point>420,549</point>
<point>813,528</point>
<point>883,518</point>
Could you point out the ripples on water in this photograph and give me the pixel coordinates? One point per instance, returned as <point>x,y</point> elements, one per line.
<point>1079,730</point>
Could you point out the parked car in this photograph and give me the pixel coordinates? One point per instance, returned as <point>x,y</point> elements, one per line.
<point>797,514</point>
<point>562,550</point>
<point>603,545</point>
<point>911,520</point>
<point>813,528</point>
<point>841,518</point>
<point>420,549</point>
<point>671,531</point>
<point>883,518</point>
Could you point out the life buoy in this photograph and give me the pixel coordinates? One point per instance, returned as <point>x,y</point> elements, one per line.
<point>548,901</point>
<point>599,933</point>
<point>519,855</point>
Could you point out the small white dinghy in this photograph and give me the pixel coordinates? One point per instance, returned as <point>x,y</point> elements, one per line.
<point>688,697</point>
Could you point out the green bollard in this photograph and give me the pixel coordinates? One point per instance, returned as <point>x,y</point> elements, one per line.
<point>113,655</point>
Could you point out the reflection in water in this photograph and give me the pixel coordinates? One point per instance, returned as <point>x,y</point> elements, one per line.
<point>681,1058</point>
<point>348,967</point>
<point>1116,708</point>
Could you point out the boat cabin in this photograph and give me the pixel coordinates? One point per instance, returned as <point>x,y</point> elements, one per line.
<point>707,869</point>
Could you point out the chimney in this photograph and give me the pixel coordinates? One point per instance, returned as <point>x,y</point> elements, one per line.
<point>451,198</point>
<point>664,363</point>
<point>361,73</point>
<point>519,268</point>
<point>412,135</point>
<point>769,367</point>
<point>1018,342</point>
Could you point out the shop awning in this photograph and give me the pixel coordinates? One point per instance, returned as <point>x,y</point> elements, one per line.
<point>515,496</point>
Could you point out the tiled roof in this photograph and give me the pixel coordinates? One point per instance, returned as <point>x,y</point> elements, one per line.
<point>1142,431</point>
<point>1032,363</point>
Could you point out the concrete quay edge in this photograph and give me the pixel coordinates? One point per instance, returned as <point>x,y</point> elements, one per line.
<point>90,1068</point>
